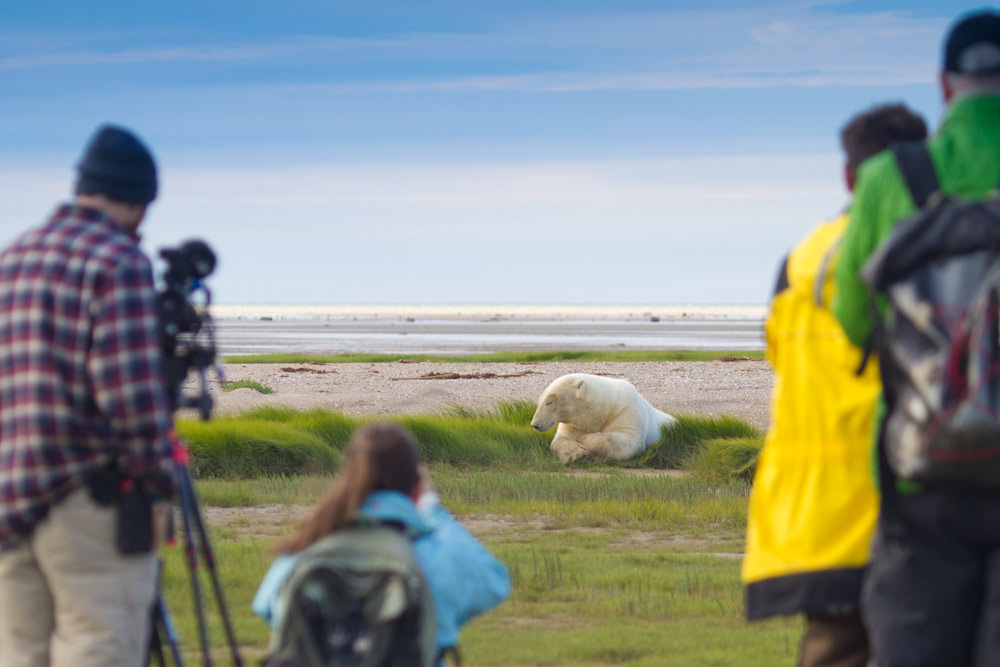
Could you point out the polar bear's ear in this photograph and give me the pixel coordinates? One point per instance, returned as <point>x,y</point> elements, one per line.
<point>580,388</point>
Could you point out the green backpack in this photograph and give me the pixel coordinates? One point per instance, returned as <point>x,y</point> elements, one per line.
<point>357,597</point>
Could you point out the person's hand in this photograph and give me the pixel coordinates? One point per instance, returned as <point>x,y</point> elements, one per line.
<point>423,491</point>
<point>424,481</point>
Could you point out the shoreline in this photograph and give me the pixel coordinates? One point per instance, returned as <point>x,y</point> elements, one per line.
<point>480,312</point>
<point>460,336</point>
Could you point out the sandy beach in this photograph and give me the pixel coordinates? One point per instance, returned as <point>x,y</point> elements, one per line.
<point>738,388</point>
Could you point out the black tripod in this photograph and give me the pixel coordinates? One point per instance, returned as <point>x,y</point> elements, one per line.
<point>195,542</point>
<point>188,342</point>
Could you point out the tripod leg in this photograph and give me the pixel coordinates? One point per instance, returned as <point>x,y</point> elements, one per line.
<point>155,645</point>
<point>209,558</point>
<point>188,510</point>
<point>167,625</point>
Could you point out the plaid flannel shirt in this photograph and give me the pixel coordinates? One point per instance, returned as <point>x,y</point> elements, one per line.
<point>81,368</point>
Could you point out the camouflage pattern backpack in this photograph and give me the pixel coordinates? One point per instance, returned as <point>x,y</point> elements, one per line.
<point>939,346</point>
<point>357,597</point>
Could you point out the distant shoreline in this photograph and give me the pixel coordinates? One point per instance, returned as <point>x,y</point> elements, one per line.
<point>491,311</point>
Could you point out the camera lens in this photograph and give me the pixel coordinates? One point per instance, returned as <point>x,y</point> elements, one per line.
<point>199,258</point>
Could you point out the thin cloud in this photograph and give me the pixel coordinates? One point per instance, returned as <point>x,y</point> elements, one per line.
<point>207,53</point>
<point>650,81</point>
<point>656,51</point>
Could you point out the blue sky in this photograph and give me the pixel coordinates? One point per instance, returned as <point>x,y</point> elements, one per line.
<point>462,151</point>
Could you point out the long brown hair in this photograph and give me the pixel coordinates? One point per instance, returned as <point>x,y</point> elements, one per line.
<point>379,457</point>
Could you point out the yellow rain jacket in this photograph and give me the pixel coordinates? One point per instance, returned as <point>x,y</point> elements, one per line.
<point>814,504</point>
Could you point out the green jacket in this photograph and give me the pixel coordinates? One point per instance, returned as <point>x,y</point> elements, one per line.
<point>966,156</point>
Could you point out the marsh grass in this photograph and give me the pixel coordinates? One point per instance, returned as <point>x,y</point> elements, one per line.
<point>722,460</point>
<point>248,384</point>
<point>230,448</point>
<point>284,490</point>
<point>500,357</point>
<point>679,441</point>
<point>652,594</point>
<point>611,498</point>
<point>272,441</point>
<point>241,565</point>
<point>576,600</point>
<point>583,600</point>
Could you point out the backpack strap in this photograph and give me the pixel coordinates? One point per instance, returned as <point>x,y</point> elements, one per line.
<point>917,169</point>
<point>874,337</point>
<point>824,271</point>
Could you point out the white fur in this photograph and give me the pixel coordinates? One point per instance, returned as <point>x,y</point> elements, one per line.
<point>598,416</point>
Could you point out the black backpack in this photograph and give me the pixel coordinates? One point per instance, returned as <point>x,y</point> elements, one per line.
<point>939,346</point>
<point>357,597</point>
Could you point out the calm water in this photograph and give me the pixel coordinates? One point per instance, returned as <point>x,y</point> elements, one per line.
<point>467,336</point>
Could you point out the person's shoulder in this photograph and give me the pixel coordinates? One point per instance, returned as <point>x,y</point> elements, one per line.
<point>880,173</point>
<point>881,197</point>
<point>394,507</point>
<point>823,235</point>
<point>115,249</point>
<point>809,254</point>
<point>22,242</point>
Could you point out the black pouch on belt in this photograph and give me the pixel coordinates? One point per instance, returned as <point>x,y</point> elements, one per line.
<point>103,485</point>
<point>135,518</point>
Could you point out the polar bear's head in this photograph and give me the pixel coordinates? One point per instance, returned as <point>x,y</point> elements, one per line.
<point>559,401</point>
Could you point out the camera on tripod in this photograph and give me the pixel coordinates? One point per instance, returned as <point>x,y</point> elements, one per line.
<point>187,337</point>
<point>186,329</point>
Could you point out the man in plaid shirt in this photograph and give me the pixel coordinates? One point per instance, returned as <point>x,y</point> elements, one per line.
<point>82,405</point>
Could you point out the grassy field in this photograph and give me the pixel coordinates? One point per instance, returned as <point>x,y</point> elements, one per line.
<point>626,563</point>
<point>607,568</point>
<point>501,357</point>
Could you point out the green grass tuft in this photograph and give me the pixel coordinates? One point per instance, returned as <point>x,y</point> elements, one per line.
<point>516,413</point>
<point>722,460</point>
<point>500,357</point>
<point>240,447</point>
<point>680,440</point>
<point>247,384</point>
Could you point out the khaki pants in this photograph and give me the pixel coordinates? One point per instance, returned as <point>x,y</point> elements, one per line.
<point>67,597</point>
<point>834,640</point>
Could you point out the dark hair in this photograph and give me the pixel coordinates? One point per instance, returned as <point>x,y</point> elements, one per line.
<point>873,131</point>
<point>379,457</point>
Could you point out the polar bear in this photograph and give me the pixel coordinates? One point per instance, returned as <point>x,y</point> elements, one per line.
<point>599,416</point>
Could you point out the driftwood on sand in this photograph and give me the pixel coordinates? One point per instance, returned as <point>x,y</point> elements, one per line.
<point>468,376</point>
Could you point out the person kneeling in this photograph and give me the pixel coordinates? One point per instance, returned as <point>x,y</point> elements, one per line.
<point>379,571</point>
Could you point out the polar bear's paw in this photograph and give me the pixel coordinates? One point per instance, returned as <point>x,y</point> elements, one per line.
<point>573,455</point>
<point>568,450</point>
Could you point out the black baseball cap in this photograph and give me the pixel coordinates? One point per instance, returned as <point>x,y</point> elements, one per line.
<point>116,163</point>
<point>973,45</point>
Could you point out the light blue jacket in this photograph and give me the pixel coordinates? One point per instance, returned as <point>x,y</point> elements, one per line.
<point>465,579</point>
